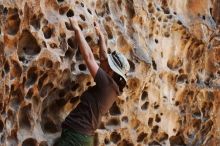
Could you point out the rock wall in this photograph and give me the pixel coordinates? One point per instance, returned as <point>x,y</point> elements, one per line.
<point>172,95</point>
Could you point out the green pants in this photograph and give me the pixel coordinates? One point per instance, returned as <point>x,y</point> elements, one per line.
<point>72,138</point>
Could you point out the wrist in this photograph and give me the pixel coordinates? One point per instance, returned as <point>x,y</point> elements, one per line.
<point>77,29</point>
<point>101,36</point>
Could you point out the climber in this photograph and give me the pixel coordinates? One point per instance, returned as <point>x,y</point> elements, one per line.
<point>79,126</point>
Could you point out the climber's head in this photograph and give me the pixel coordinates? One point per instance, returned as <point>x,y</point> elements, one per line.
<point>120,66</point>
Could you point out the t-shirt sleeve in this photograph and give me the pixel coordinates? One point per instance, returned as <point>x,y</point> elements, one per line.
<point>102,78</point>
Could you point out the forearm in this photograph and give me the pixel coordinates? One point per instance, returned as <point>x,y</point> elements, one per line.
<point>85,49</point>
<point>103,48</point>
<point>83,45</point>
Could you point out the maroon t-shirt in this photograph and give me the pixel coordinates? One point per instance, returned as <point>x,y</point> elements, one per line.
<point>95,102</point>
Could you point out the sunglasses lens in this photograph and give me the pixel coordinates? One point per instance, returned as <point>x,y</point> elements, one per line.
<point>117,60</point>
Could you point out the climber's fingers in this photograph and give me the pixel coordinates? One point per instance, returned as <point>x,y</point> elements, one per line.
<point>97,28</point>
<point>74,24</point>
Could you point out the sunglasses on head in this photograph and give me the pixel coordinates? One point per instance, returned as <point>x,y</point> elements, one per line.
<point>117,59</point>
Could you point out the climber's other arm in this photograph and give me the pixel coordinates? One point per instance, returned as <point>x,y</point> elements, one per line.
<point>103,47</point>
<point>84,48</point>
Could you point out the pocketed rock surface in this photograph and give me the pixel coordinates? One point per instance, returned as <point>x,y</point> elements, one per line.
<point>172,95</point>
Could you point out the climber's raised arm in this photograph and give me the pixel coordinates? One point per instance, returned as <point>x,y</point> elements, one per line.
<point>102,44</point>
<point>84,48</point>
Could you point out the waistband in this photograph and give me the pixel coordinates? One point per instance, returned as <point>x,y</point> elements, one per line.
<point>76,134</point>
